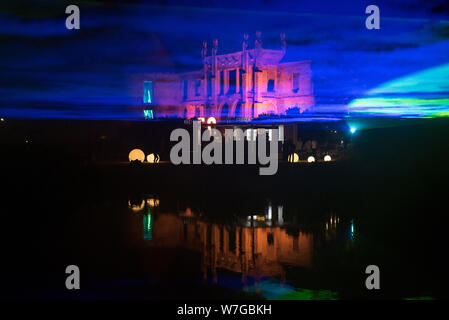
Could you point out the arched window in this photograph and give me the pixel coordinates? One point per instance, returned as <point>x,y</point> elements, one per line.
<point>295,82</point>
<point>238,110</point>
<point>232,81</point>
<point>225,111</point>
<point>197,87</point>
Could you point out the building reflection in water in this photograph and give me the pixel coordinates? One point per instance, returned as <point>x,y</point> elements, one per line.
<point>145,207</point>
<point>256,246</point>
<point>147,226</point>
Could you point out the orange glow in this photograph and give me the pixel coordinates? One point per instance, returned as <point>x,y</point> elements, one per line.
<point>234,250</point>
<point>153,202</point>
<point>135,207</point>
<point>136,154</point>
<point>187,213</point>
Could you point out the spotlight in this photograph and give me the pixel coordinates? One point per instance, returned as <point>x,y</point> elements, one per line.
<point>352,129</point>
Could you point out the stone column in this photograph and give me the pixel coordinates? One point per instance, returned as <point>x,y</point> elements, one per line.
<point>237,80</point>
<point>203,56</point>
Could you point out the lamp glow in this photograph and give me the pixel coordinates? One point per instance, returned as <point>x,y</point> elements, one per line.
<point>153,158</point>
<point>327,158</point>
<point>293,157</point>
<point>136,154</point>
<point>153,202</point>
<point>211,120</point>
<point>136,207</point>
<point>311,159</point>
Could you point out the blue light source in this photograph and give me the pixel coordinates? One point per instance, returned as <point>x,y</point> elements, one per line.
<point>147,92</point>
<point>352,230</point>
<point>147,226</point>
<point>352,129</point>
<point>148,114</point>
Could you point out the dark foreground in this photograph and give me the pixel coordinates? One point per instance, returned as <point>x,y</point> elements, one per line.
<point>386,205</point>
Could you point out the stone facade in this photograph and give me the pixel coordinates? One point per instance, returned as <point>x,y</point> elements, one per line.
<point>242,85</point>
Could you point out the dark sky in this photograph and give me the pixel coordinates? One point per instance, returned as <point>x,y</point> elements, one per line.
<point>48,71</point>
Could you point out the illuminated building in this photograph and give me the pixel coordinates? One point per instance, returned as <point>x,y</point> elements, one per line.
<point>251,248</point>
<point>243,85</point>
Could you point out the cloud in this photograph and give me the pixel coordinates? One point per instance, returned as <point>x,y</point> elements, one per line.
<point>44,64</point>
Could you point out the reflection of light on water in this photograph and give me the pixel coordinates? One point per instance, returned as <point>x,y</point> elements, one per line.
<point>272,289</point>
<point>420,298</point>
<point>280,214</point>
<point>146,204</point>
<point>332,223</point>
<point>148,226</point>
<point>153,202</point>
<point>249,254</point>
<point>136,207</point>
<point>268,219</point>
<point>352,230</point>
<point>150,202</point>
